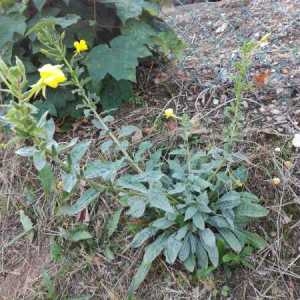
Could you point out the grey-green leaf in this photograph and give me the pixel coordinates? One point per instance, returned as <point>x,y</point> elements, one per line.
<point>87,198</point>
<point>209,243</point>
<point>231,239</point>
<point>113,222</point>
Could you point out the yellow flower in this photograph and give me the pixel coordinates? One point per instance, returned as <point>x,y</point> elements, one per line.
<point>52,75</point>
<point>169,113</point>
<point>81,46</point>
<point>276,181</point>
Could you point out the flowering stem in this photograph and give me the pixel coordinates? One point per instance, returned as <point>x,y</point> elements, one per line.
<point>92,107</point>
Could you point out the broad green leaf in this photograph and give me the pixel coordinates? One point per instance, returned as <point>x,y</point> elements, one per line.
<point>113,222</point>
<point>47,178</point>
<point>162,223</point>
<point>172,249</point>
<point>137,207</point>
<point>251,210</point>
<point>9,26</point>
<point>154,249</point>
<point>121,58</point>
<point>181,233</point>
<point>83,202</point>
<point>198,221</point>
<point>159,200</point>
<point>190,263</point>
<point>130,182</point>
<point>78,152</point>
<point>185,250</point>
<point>39,160</point>
<point>69,181</point>
<point>190,212</point>
<point>107,170</point>
<point>209,243</point>
<point>231,239</point>
<point>143,236</point>
<point>202,259</point>
<point>229,200</point>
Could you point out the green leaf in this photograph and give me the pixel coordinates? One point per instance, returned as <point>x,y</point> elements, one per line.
<point>190,212</point>
<point>209,243</point>
<point>69,181</point>
<point>9,26</point>
<point>159,200</point>
<point>113,222</point>
<point>78,152</point>
<point>26,222</point>
<point>47,178</point>
<point>106,170</point>
<point>255,240</point>
<point>143,236</point>
<point>185,249</point>
<point>198,221</point>
<point>128,130</point>
<point>251,210</point>
<point>138,278</point>
<point>162,223</point>
<point>190,263</point>
<point>172,249</point>
<point>154,249</point>
<point>78,235</point>
<point>202,259</point>
<point>26,151</point>
<point>83,202</point>
<point>121,58</point>
<point>231,239</point>
<point>39,4</point>
<point>137,207</point>
<point>229,200</point>
<point>39,160</point>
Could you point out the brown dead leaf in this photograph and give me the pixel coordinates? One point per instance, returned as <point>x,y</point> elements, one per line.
<point>137,137</point>
<point>262,78</point>
<point>171,125</point>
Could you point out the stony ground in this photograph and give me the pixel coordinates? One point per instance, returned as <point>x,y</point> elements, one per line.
<point>201,86</point>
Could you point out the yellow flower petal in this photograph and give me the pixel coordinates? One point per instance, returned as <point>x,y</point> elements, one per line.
<point>52,75</point>
<point>81,46</point>
<point>169,113</point>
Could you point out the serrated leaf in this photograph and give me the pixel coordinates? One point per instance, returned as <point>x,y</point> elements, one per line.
<point>83,202</point>
<point>113,222</point>
<point>209,243</point>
